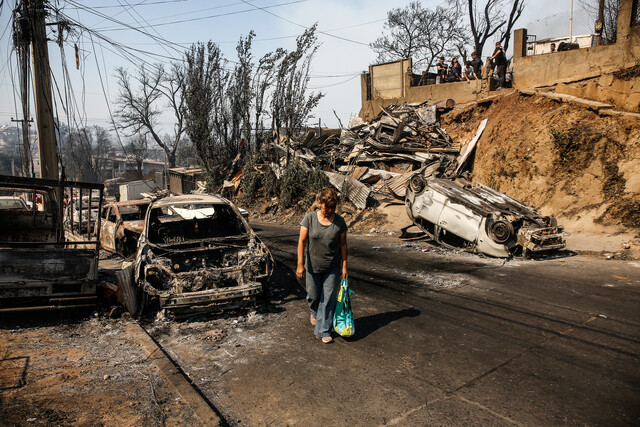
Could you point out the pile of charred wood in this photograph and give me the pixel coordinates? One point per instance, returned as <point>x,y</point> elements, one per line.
<point>377,159</point>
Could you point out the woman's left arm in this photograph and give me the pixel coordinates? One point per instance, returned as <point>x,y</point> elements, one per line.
<point>343,251</point>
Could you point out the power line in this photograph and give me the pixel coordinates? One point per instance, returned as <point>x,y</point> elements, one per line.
<point>302,26</point>
<point>334,84</point>
<point>143,3</point>
<point>200,18</point>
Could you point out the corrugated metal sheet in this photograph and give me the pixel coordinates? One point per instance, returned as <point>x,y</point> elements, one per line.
<point>355,191</point>
<point>398,184</point>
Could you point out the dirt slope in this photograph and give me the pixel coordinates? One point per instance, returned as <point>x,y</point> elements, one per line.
<point>565,160</point>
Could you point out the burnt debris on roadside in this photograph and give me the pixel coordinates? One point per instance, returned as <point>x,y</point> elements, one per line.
<point>403,155</point>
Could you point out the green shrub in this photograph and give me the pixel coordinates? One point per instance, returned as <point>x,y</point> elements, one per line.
<point>251,182</point>
<point>300,185</point>
<point>270,184</point>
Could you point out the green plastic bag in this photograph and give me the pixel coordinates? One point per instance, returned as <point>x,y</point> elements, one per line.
<point>343,316</point>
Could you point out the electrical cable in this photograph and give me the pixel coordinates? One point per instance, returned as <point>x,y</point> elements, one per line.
<point>200,18</point>
<point>302,26</point>
<point>334,84</point>
<point>113,122</point>
<point>153,28</point>
<point>143,3</point>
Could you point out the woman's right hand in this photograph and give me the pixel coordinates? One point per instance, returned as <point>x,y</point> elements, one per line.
<point>300,272</point>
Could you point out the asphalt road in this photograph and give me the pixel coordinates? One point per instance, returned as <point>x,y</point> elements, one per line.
<point>441,339</point>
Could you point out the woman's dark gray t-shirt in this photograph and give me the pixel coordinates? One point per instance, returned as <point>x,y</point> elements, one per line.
<point>323,249</point>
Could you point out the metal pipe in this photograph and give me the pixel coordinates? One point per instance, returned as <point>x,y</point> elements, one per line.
<point>571,22</point>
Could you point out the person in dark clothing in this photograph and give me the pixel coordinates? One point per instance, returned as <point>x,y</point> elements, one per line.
<point>476,63</point>
<point>455,71</point>
<point>442,70</point>
<point>500,60</point>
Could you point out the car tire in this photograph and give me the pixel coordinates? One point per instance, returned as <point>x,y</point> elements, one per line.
<point>417,183</point>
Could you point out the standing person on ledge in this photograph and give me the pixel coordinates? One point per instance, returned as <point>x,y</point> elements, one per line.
<point>500,60</point>
<point>325,260</point>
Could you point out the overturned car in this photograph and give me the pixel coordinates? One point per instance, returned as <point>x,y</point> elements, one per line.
<point>470,216</point>
<point>198,254</point>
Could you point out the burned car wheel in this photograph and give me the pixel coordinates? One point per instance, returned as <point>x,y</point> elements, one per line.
<point>501,231</point>
<point>417,183</point>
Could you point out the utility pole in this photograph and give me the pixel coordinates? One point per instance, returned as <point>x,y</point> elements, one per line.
<point>22,37</point>
<point>570,21</point>
<point>42,91</point>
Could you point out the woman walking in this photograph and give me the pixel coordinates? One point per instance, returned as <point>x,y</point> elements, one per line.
<point>325,260</point>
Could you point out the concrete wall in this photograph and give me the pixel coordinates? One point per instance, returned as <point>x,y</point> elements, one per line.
<point>588,73</point>
<point>391,84</point>
<point>387,80</point>
<point>573,65</point>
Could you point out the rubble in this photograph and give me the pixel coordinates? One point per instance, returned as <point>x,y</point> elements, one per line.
<point>403,148</point>
<point>374,161</point>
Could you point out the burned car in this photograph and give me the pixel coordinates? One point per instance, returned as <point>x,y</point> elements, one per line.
<point>122,223</point>
<point>470,216</point>
<point>197,254</point>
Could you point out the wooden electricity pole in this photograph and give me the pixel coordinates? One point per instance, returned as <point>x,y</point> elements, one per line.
<point>42,91</point>
<point>22,38</point>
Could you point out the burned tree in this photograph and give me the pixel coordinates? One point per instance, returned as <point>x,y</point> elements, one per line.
<point>84,153</point>
<point>137,148</point>
<point>263,78</point>
<point>223,106</point>
<point>405,37</point>
<point>142,99</point>
<point>607,13</point>
<point>420,33</point>
<point>490,20</point>
<point>290,105</point>
<point>207,118</point>
<point>240,91</point>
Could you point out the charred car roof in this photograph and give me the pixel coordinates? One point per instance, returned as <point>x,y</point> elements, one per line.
<point>191,198</point>
<point>131,203</point>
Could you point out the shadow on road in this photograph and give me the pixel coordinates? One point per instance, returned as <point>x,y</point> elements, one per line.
<point>368,324</point>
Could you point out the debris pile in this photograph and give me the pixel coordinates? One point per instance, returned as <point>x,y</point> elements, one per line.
<point>377,159</point>
<point>404,154</point>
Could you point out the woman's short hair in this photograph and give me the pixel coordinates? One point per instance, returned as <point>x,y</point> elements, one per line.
<point>328,196</point>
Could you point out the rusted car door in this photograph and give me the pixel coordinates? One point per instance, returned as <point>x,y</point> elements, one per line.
<point>108,232</point>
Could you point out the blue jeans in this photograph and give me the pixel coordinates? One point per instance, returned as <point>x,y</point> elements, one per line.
<point>321,295</point>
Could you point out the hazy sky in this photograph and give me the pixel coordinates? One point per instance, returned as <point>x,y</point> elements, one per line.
<point>350,25</point>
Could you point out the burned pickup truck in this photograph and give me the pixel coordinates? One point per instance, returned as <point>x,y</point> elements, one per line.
<point>198,254</point>
<point>43,264</point>
<point>470,216</point>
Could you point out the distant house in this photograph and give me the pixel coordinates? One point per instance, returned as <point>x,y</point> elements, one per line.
<point>118,166</point>
<point>538,47</point>
<point>184,180</point>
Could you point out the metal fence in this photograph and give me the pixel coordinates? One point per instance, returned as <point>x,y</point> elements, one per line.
<point>561,31</point>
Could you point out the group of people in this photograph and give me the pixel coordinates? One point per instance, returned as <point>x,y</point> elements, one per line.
<point>472,69</point>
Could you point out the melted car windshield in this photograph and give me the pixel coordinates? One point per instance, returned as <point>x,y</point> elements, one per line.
<point>184,223</point>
